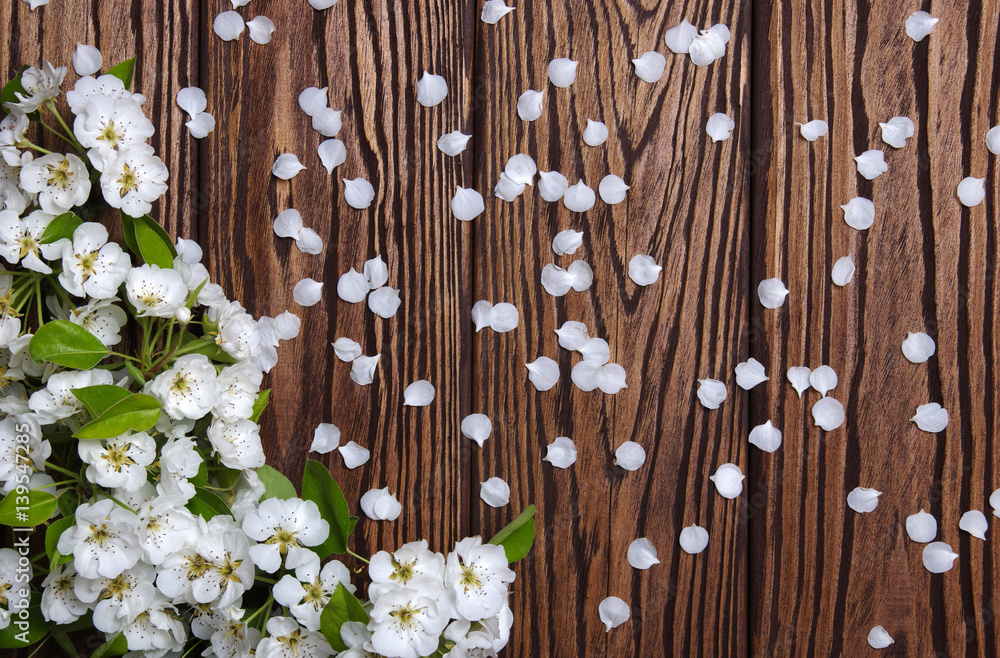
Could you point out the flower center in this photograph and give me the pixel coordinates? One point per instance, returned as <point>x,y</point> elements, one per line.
<point>28,244</point>
<point>180,384</point>
<point>117,456</point>
<point>404,572</point>
<point>470,579</point>
<point>283,538</point>
<point>314,594</point>
<point>87,262</point>
<point>228,570</point>
<point>59,174</point>
<point>128,180</point>
<point>99,535</point>
<point>405,615</point>
<point>109,134</point>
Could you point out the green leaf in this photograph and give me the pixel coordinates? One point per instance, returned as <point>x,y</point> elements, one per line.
<point>98,399</point>
<point>68,501</point>
<point>153,242</point>
<point>13,637</point>
<point>124,71</point>
<point>138,412</point>
<point>319,486</point>
<point>61,227</point>
<point>11,88</point>
<point>34,507</point>
<point>128,230</point>
<point>116,646</point>
<point>206,504</point>
<point>342,607</point>
<point>55,530</point>
<point>66,644</point>
<point>518,536</point>
<point>275,484</point>
<point>136,374</point>
<point>260,404</point>
<point>66,344</point>
<point>201,477</point>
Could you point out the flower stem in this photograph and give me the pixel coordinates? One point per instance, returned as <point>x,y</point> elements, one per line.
<point>353,554</point>
<point>51,106</point>
<point>64,471</point>
<point>266,606</point>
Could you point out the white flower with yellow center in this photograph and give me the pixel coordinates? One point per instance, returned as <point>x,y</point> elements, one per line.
<point>14,592</point>
<point>56,401</point>
<point>118,601</point>
<point>236,330</point>
<point>165,526</point>
<point>285,528</point>
<point>477,575</point>
<point>307,592</point>
<point>103,541</point>
<point>88,87</point>
<point>20,240</point>
<point>59,601</point>
<point>17,458</point>
<point>92,266</point>
<point>216,568</point>
<point>412,565</point>
<point>237,444</point>
<point>40,85</point>
<point>239,386</point>
<point>134,179</point>
<point>108,125</point>
<point>157,630</point>
<point>155,291</point>
<point>286,639</point>
<point>233,639</point>
<point>61,181</point>
<point>120,462</point>
<point>102,318</point>
<point>407,624</point>
<point>188,390</point>
<point>12,130</point>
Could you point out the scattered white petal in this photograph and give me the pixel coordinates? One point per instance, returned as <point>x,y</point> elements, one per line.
<point>772,293</point>
<point>649,66</point>
<point>562,71</point>
<point>995,502</point>
<point>711,393</point>
<point>596,351</point>
<point>363,369</point>
<point>974,522</point>
<point>595,134</point>
<point>228,25</point>
<point>467,204</point>
<point>521,169</point>
<point>642,554</point>
<point>843,271</point>
<point>354,455</point>
<point>896,131</point>
<point>557,281</point>
<point>828,414</point>
<point>579,197</point>
<point>643,270</point>
<point>505,318</point>
<point>494,10</point>
<point>332,153</point>
<point>192,100</point>
<point>529,105</point>
<point>799,378</point>
<point>261,28</point>
<point>814,129</point>
<point>678,39</point>
<point>863,499</point>
<point>693,539</point>
<point>719,127</point>
<point>823,379</point>
<point>379,504</point>
<point>346,349</point>
<point>287,325</point>
<point>572,335</point>
<point>358,193</point>
<point>309,241</point>
<point>728,480</point>
<point>749,373</point>
<point>453,143</point>
<point>993,140</point>
<point>307,292</point>
<point>313,99</point>
<point>87,60</point>
<point>327,122</point>
<point>938,557</point>
<point>921,527</point>
<point>871,164</point>
<point>878,638</point>
<point>376,272</point>
<point>326,438</point>
<point>431,89</point>
<point>418,394</point>
<point>477,427</point>
<point>495,492</point>
<point>919,25</point>
<point>767,437</point>
<point>384,302</point>
<point>918,347</point>
<point>352,286</point>
<point>630,456</point>
<point>561,453</point>
<point>482,314</point>
<point>288,224</point>
<point>552,185</point>
<point>286,166</point>
<point>859,213</point>
<point>972,191</point>
<point>709,45</point>
<point>566,242</point>
<point>507,189</point>
<point>319,5</point>
<point>612,189</point>
<point>590,375</point>
<point>931,417</point>
<point>543,373</point>
<point>201,125</point>
<point>239,3</point>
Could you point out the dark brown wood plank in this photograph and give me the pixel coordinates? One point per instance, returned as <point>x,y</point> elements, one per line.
<point>824,575</point>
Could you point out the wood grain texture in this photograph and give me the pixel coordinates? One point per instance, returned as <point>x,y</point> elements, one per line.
<point>824,575</point>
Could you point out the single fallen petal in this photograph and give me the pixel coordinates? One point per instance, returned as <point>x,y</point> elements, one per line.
<point>327,122</point>
<point>878,638</point>
<point>453,143</point>
<point>358,193</point>
<point>993,140</point>
<point>938,557</point>
<point>711,393</point>
<point>561,453</point>
<point>87,60</point>
<point>505,318</point>
<point>467,204</point>
<point>201,125</point>
<point>319,5</point>
<point>921,527</point>
<point>630,456</point>
<point>799,378</point>
<point>828,414</point>
<point>529,105</point>
<point>431,89</point>
<point>719,127</point>
<point>521,169</point>
<point>612,189</point>
<point>376,272</point>
<point>313,99</point>
<point>192,100</point>
<point>693,539</point>
<point>823,379</point>
<point>384,302</point>
<point>649,66</point>
<point>612,377</point>
<point>363,369</point>
<point>543,373</point>
<point>352,286</point>
<point>972,191</point>
<point>871,164</point>
<point>749,373</point>
<point>814,129</point>
<point>332,153</point>
<point>678,39</point>
<point>995,502</point>
<point>354,455</point>
<point>728,480</point>
<point>642,554</point>
<point>552,185</point>
<point>863,499</point>
<point>346,349</point>
<point>582,273</point>
<point>239,3</point>
<point>507,189</point>
<point>896,131</point>
<point>326,438</point>
<point>767,437</point>
<point>709,45</point>
<point>286,166</point>
<point>260,28</point>
<point>562,71</point>
<point>494,10</point>
<point>228,25</point>
<point>482,314</point>
<point>379,504</point>
<point>843,271</point>
<point>288,224</point>
<point>595,134</point>
<point>595,351</point>
<point>772,293</point>
<point>309,242</point>
<point>919,25</point>
<point>477,427</point>
<point>614,612</point>
<point>918,347</point>
<point>579,197</point>
<point>494,492</point>
<point>287,325</point>
<point>566,242</point>
<point>974,522</point>
<point>418,394</point>
<point>307,292</point>
<point>572,335</point>
<point>931,417</point>
<point>556,281</point>
<point>859,213</point>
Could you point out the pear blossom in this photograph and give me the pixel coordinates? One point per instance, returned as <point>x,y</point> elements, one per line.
<point>109,125</point>
<point>286,639</point>
<point>14,592</point>
<point>88,87</point>
<point>61,181</point>
<point>238,387</point>
<point>286,528</point>
<point>411,565</point>
<point>92,266</point>
<point>158,628</point>
<point>20,240</point>
<point>103,542</point>
<point>215,567</point>
<point>103,318</point>
<point>134,179</point>
<point>120,462</point>
<point>307,592</point>
<point>165,526</point>
<point>59,601</point>
<point>237,444</point>
<point>477,576</point>
<point>406,623</point>
<point>40,85</point>
<point>56,401</point>
<point>118,600</point>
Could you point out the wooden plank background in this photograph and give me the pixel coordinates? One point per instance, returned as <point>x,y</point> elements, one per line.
<point>790,570</point>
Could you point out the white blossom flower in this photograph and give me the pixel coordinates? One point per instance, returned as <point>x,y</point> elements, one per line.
<point>236,330</point>
<point>216,567</point>
<point>20,240</point>
<point>157,630</point>
<point>102,318</point>
<point>286,639</point>
<point>14,592</point>
<point>237,444</point>
<point>239,384</point>
<point>285,528</point>
<point>59,601</point>
<point>118,600</point>
<point>120,462</point>
<point>61,181</point>
<point>307,592</point>
<point>165,527</point>
<point>233,639</point>
<point>477,575</point>
<point>412,565</point>
<point>407,624</point>
<point>108,125</point>
<point>134,179</point>
<point>56,401</point>
<point>88,87</point>
<point>40,85</point>
<point>155,291</point>
<point>92,266</point>
<point>190,389</point>
<point>103,542</point>
<point>179,462</point>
